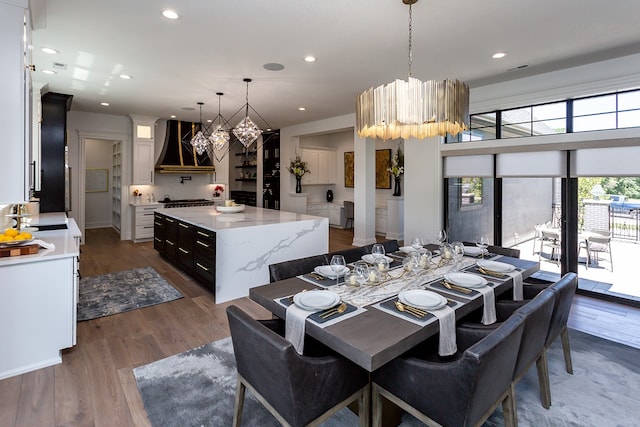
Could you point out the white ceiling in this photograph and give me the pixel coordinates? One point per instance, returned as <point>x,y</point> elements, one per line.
<point>216,43</point>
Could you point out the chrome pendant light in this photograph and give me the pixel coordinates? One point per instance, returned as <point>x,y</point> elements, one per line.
<point>412,108</point>
<point>246,130</point>
<point>200,141</point>
<point>219,137</point>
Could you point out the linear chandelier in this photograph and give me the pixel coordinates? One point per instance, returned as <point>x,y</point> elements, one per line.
<point>412,108</point>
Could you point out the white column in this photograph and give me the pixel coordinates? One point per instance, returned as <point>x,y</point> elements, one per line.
<point>422,188</point>
<point>364,193</point>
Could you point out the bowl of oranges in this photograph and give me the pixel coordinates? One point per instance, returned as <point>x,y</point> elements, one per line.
<point>13,237</point>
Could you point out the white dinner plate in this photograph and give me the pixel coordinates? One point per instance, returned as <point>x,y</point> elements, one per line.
<point>316,300</point>
<point>466,280</point>
<point>472,251</point>
<point>497,267</point>
<point>327,271</point>
<point>230,209</point>
<point>420,298</point>
<point>372,260</point>
<point>407,249</point>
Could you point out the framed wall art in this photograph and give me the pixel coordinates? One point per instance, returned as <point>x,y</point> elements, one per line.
<point>348,169</point>
<point>383,177</point>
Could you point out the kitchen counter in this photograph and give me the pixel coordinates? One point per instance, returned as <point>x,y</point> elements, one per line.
<point>246,243</point>
<point>38,301</point>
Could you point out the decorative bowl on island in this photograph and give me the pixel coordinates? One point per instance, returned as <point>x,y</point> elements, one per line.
<point>230,209</point>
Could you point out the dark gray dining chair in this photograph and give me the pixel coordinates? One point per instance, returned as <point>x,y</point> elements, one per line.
<point>462,390</point>
<point>295,267</point>
<point>348,213</point>
<point>537,318</point>
<point>350,255</point>
<point>298,390</point>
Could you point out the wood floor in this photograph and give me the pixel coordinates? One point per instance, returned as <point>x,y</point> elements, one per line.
<point>94,386</point>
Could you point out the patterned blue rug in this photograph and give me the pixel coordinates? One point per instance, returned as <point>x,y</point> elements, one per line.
<point>197,388</point>
<point>123,291</point>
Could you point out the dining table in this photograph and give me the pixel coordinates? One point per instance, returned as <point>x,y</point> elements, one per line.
<point>371,335</point>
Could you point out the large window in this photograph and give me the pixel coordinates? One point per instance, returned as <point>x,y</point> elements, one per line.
<point>600,112</point>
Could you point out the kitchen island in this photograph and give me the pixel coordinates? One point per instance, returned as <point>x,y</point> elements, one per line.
<point>38,298</point>
<point>231,252</point>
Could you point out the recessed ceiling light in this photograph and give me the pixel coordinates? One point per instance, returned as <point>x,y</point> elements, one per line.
<point>499,55</point>
<point>48,71</point>
<point>173,116</point>
<point>125,76</point>
<point>273,66</point>
<point>302,109</point>
<point>309,58</point>
<point>104,104</point>
<point>209,120</point>
<point>169,14</point>
<point>49,50</point>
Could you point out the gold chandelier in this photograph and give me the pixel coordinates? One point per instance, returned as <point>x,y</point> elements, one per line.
<point>413,109</point>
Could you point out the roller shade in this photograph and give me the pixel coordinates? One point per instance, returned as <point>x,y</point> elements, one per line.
<point>531,164</point>
<point>613,161</point>
<point>480,166</point>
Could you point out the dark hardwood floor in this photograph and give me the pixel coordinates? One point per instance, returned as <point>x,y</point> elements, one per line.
<point>94,386</point>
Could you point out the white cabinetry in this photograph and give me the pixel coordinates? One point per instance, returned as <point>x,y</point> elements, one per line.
<point>334,212</point>
<point>321,163</point>
<point>143,162</point>
<point>395,218</point>
<point>381,220</point>
<point>143,221</point>
<point>14,105</point>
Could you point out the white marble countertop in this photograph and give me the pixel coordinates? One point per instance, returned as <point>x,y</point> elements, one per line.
<point>209,218</point>
<point>64,241</point>
<point>145,203</point>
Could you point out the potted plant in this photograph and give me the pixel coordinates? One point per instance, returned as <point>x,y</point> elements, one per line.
<point>298,168</point>
<point>396,168</point>
<point>217,191</point>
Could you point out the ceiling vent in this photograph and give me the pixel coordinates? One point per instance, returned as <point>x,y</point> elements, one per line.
<point>59,66</point>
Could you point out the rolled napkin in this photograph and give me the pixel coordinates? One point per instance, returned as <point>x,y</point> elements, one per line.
<point>44,244</point>
<point>447,340</point>
<point>517,285</point>
<point>489,308</point>
<point>294,326</point>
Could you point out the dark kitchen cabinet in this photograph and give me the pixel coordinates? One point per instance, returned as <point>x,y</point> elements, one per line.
<point>271,170</point>
<point>53,140</point>
<point>185,246</point>
<point>205,257</point>
<point>159,233</point>
<point>171,238</point>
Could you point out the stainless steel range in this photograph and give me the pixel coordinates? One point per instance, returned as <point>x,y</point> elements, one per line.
<point>185,203</point>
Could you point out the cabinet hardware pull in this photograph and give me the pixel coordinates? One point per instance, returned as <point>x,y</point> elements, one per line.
<point>155,238</point>
<point>157,223</point>
<point>184,251</point>
<point>204,234</point>
<point>202,243</point>
<point>169,220</point>
<point>202,266</point>
<point>170,242</point>
<point>183,225</point>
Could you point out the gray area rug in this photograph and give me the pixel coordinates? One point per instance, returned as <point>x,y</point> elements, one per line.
<point>197,388</point>
<point>123,291</point>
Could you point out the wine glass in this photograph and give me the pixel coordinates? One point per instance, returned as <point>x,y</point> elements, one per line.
<point>417,243</point>
<point>377,250</point>
<point>338,264</point>
<point>361,271</point>
<point>442,236</point>
<point>458,253</point>
<point>483,243</point>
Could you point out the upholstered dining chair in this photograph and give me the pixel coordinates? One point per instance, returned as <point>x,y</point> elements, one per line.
<point>348,213</point>
<point>462,390</point>
<point>295,267</point>
<point>499,250</point>
<point>537,318</point>
<point>350,255</point>
<point>298,390</point>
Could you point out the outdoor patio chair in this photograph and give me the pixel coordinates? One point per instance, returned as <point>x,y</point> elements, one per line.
<point>550,239</point>
<point>596,244</point>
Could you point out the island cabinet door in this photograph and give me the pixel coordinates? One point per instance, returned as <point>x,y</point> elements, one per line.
<point>159,233</point>
<point>204,249</point>
<point>171,238</point>
<point>185,246</point>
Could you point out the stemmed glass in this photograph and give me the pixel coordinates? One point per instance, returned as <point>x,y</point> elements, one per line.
<point>361,270</point>
<point>377,250</point>
<point>338,264</point>
<point>417,243</point>
<point>442,236</point>
<point>458,253</point>
<point>483,243</point>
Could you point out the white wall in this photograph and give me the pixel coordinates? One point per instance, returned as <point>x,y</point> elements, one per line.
<point>98,205</point>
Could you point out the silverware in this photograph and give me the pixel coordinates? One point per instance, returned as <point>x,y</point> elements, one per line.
<point>455,287</point>
<point>490,273</point>
<point>333,311</point>
<point>316,276</point>
<point>411,310</point>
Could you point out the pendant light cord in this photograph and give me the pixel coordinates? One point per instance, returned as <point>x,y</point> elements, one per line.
<point>410,25</point>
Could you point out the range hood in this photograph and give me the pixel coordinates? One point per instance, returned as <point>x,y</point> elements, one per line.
<point>178,157</point>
